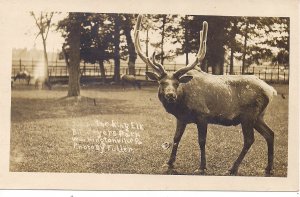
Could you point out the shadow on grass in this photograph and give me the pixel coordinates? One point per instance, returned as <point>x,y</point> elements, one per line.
<point>26,109</point>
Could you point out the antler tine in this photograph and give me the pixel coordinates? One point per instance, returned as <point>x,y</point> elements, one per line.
<point>160,66</point>
<point>200,55</point>
<point>138,49</point>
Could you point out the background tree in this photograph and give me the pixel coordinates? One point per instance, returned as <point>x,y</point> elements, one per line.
<point>169,28</point>
<point>106,37</point>
<point>96,40</point>
<point>116,43</point>
<point>72,27</point>
<point>215,41</point>
<point>43,22</point>
<point>266,36</point>
<point>127,26</point>
<point>231,33</point>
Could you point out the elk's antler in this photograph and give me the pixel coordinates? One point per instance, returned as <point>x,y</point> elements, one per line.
<point>156,66</point>
<point>200,55</point>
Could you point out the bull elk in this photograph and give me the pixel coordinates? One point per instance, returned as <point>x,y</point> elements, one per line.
<point>23,75</point>
<point>194,96</point>
<point>130,79</point>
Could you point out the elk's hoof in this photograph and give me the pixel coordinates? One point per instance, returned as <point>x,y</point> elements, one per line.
<point>200,171</point>
<point>172,172</point>
<point>168,169</point>
<point>268,172</point>
<point>232,172</point>
<point>167,166</point>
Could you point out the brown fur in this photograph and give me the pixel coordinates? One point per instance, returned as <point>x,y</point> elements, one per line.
<point>202,98</point>
<point>214,99</point>
<point>130,79</point>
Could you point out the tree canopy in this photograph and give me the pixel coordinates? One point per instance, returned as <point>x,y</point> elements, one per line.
<point>247,39</point>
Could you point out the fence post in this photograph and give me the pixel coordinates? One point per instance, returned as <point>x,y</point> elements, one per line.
<point>111,69</point>
<point>265,75</point>
<point>20,61</point>
<point>55,66</point>
<point>146,71</point>
<point>32,65</point>
<point>271,76</point>
<point>278,72</point>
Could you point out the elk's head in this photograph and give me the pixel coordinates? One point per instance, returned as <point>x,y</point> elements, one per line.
<point>169,82</point>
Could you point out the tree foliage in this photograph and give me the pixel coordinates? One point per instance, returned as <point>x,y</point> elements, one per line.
<point>106,37</point>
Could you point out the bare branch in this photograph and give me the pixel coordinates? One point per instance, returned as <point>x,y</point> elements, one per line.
<point>36,20</point>
<point>49,24</point>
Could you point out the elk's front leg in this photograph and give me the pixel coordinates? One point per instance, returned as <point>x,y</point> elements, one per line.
<point>180,127</point>
<point>202,131</point>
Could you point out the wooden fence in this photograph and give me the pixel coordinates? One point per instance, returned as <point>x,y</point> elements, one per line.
<point>274,74</point>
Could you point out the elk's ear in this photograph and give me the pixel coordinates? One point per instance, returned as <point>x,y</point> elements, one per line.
<point>152,76</point>
<point>185,79</point>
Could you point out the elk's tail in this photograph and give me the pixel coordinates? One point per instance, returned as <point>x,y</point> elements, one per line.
<point>271,92</point>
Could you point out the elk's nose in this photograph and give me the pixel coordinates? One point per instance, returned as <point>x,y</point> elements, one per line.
<point>171,97</point>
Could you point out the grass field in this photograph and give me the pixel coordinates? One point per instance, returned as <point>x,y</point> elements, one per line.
<point>45,125</point>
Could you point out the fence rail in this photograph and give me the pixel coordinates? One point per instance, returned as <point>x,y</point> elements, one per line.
<point>58,68</point>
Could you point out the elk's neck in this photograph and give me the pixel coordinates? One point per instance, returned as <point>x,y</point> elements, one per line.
<point>177,108</point>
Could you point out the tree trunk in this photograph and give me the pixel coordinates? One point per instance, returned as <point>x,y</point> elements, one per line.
<point>215,47</point>
<point>117,49</point>
<point>217,69</point>
<point>46,74</point>
<point>231,61</point>
<point>204,66</point>
<point>245,48</point>
<point>74,69</point>
<point>131,48</point>
<point>217,60</point>
<point>147,49</point>
<point>232,42</point>
<point>186,42</point>
<point>162,39</point>
<point>45,81</point>
<point>132,59</point>
<point>102,70</point>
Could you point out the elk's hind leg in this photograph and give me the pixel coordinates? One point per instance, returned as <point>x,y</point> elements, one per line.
<point>202,131</point>
<point>248,133</point>
<point>180,127</point>
<point>268,134</point>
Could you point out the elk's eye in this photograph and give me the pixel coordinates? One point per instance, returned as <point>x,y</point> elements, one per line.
<point>176,84</point>
<point>162,83</point>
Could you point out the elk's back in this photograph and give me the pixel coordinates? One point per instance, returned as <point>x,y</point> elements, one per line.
<point>226,97</point>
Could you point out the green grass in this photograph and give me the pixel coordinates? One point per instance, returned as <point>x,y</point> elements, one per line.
<point>42,123</point>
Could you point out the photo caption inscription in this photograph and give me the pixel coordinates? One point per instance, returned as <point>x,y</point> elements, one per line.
<point>108,136</point>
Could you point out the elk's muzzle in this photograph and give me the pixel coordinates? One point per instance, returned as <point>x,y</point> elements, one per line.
<point>171,97</point>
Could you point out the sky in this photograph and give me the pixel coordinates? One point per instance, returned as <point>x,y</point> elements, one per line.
<point>26,30</point>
